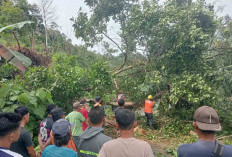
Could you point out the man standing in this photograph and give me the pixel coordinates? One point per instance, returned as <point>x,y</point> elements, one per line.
<point>206,124</point>
<point>121,103</point>
<point>148,109</point>
<point>76,118</point>
<point>85,114</point>
<point>90,142</point>
<point>46,127</point>
<point>24,145</point>
<point>9,133</point>
<point>57,114</point>
<point>61,131</point>
<point>126,144</point>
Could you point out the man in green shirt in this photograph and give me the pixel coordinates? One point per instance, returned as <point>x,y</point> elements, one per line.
<point>76,118</point>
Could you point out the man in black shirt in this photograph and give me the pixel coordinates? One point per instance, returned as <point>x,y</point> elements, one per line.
<point>24,145</point>
<point>121,104</point>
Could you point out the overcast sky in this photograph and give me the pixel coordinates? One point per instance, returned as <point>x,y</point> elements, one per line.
<point>66,9</point>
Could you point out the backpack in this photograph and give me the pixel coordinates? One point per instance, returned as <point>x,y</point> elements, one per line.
<point>76,140</point>
<point>218,149</point>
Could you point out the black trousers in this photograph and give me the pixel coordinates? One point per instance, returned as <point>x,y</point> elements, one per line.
<point>149,119</point>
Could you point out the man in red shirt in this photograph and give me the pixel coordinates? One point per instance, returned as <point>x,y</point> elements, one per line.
<point>85,114</point>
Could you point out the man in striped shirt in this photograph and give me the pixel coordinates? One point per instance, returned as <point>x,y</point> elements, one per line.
<point>76,118</point>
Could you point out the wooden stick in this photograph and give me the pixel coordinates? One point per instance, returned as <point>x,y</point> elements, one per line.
<point>15,35</point>
<point>224,137</point>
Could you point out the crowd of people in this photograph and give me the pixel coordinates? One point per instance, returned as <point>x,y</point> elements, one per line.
<point>81,133</point>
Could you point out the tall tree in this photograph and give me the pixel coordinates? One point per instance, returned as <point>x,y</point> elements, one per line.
<point>48,14</point>
<point>92,30</point>
<point>31,13</point>
<point>9,14</point>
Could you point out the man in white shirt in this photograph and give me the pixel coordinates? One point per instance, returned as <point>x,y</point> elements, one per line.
<point>9,133</point>
<point>126,144</point>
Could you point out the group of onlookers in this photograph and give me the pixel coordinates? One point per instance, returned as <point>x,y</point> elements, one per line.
<point>81,133</point>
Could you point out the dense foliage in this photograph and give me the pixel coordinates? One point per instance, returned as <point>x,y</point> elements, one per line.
<point>180,51</point>
<point>187,52</point>
<point>13,95</point>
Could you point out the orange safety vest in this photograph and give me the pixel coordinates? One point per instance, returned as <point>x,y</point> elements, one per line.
<point>149,106</point>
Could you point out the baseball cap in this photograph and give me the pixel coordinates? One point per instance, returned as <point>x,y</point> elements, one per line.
<point>61,128</point>
<point>207,119</point>
<point>76,105</point>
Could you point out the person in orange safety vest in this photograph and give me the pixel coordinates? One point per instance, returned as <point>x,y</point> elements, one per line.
<point>148,109</point>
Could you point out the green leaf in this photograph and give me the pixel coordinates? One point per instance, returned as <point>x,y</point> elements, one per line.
<point>16,25</point>
<point>2,103</point>
<point>10,109</point>
<point>24,98</point>
<point>13,98</point>
<point>25,60</point>
<point>41,94</point>
<point>4,91</point>
<point>33,101</point>
<point>38,111</point>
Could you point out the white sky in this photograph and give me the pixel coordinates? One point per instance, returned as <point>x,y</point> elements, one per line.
<point>66,9</point>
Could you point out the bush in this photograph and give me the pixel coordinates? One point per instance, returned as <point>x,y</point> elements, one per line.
<point>7,71</point>
<point>187,93</point>
<point>67,81</point>
<point>13,95</point>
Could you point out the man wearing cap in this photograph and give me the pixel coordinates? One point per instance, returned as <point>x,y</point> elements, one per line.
<point>57,114</point>
<point>148,109</point>
<point>61,131</point>
<point>206,122</point>
<point>126,145</point>
<point>76,118</point>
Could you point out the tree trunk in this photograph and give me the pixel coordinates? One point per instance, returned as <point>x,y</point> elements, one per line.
<point>15,35</point>
<point>46,31</point>
<point>33,41</point>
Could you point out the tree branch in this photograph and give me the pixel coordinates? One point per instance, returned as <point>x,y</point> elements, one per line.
<point>129,67</point>
<point>116,84</point>
<point>219,54</point>
<point>122,70</point>
<point>125,55</point>
<point>112,41</point>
